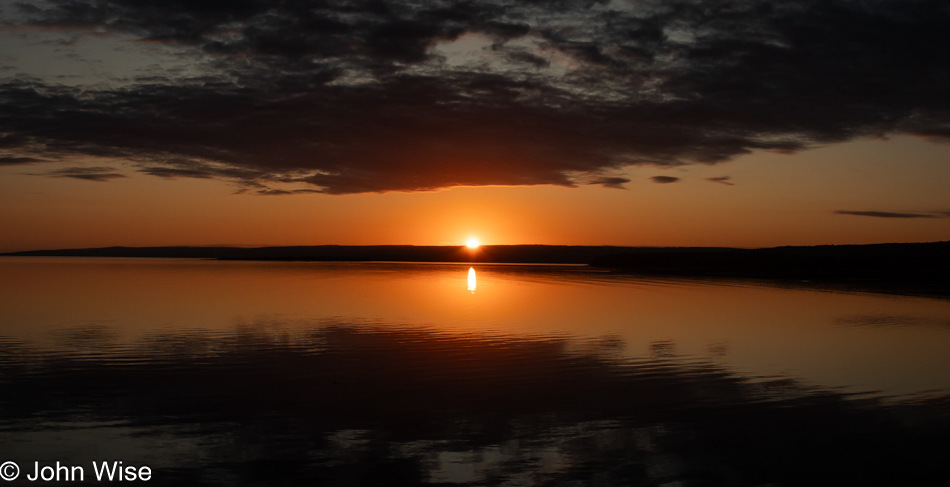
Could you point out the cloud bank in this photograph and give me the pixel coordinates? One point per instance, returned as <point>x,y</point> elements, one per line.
<point>361,96</point>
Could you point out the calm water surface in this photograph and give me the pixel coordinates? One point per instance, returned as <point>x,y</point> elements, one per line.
<point>242,373</point>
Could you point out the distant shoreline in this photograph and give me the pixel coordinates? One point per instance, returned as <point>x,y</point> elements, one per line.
<point>502,254</point>
<point>917,268</point>
<point>904,268</point>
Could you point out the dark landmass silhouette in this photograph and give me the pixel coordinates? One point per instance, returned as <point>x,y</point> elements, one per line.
<point>507,254</point>
<point>897,267</point>
<point>900,267</point>
<point>793,262</point>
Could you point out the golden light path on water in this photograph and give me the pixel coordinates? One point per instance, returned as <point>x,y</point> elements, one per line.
<point>894,344</point>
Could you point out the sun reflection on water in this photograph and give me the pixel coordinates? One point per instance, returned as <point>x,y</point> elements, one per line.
<point>471,279</point>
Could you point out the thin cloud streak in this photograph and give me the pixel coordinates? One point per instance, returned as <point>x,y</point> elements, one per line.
<point>611,182</point>
<point>664,179</point>
<point>888,214</point>
<point>15,161</point>
<point>721,180</point>
<point>97,174</point>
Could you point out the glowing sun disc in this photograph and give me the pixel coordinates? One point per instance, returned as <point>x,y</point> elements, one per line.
<point>472,243</point>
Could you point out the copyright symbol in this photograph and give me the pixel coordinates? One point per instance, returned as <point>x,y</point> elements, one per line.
<point>9,471</point>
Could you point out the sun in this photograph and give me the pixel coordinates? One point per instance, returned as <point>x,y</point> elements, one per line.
<point>472,243</point>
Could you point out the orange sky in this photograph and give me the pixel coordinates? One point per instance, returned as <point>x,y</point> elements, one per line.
<point>776,199</point>
<point>671,123</point>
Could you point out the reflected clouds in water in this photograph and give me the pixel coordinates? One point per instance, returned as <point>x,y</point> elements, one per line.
<point>372,404</point>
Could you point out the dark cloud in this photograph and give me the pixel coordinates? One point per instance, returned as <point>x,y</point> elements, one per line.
<point>353,96</point>
<point>664,179</point>
<point>887,214</point>
<point>98,174</point>
<point>527,58</point>
<point>721,180</point>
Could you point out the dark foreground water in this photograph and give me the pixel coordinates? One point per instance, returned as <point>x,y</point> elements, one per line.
<point>237,373</point>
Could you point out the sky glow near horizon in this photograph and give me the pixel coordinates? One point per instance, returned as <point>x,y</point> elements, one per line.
<point>751,123</point>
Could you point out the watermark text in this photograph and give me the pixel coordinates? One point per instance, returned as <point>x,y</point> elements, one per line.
<point>104,471</point>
